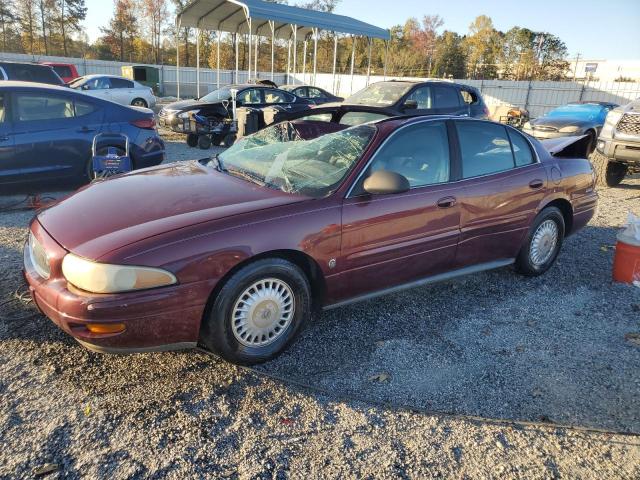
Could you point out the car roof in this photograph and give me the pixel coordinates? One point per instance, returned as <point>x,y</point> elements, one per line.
<point>442,81</point>
<point>33,85</point>
<point>4,62</point>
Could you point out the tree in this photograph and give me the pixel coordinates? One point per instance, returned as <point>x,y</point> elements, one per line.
<point>156,14</point>
<point>28,21</point>
<point>122,29</point>
<point>551,54</point>
<point>450,59</point>
<point>484,46</point>
<point>70,15</point>
<point>8,23</point>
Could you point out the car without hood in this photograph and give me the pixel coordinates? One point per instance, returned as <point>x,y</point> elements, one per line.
<point>240,249</point>
<point>571,120</point>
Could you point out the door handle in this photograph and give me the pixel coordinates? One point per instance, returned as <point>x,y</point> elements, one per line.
<point>447,202</point>
<point>536,184</point>
<point>4,138</point>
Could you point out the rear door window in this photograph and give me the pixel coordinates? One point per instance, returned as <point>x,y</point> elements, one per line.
<point>469,97</point>
<point>316,93</point>
<point>484,148</point>
<point>445,97</point>
<point>84,108</point>
<point>277,96</point>
<point>99,83</point>
<point>120,83</point>
<point>251,96</point>
<point>521,149</point>
<point>38,107</point>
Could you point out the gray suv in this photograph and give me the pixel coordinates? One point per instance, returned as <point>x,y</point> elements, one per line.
<point>618,149</point>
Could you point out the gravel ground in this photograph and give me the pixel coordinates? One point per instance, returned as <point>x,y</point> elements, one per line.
<point>494,349</point>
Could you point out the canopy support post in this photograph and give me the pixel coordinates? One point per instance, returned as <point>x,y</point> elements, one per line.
<point>218,59</point>
<point>249,38</point>
<point>386,57</point>
<point>353,58</point>
<point>255,56</point>
<point>369,61</point>
<point>304,62</point>
<point>288,60</point>
<point>198,62</point>
<point>295,51</point>
<point>237,55</point>
<point>335,57</point>
<point>272,24</point>
<point>178,58</point>
<point>315,55</point>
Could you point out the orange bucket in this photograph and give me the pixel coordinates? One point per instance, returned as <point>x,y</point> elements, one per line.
<point>626,264</point>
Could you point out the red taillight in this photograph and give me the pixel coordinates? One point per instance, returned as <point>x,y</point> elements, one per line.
<point>146,123</point>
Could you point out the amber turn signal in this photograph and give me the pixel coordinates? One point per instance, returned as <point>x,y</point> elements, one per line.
<point>105,327</point>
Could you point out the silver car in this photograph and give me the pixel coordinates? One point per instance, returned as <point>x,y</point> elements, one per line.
<point>116,89</point>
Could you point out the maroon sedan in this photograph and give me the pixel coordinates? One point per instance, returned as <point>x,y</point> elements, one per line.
<point>236,253</point>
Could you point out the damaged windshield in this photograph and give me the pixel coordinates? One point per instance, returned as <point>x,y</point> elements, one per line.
<point>279,158</point>
<point>380,94</point>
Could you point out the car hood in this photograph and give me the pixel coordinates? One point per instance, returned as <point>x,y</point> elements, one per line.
<point>111,214</point>
<point>560,122</point>
<point>182,105</point>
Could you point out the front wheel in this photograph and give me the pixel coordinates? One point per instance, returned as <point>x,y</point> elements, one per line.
<point>608,174</point>
<point>542,244</point>
<point>258,312</point>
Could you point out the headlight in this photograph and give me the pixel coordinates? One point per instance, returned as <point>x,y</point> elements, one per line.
<point>38,256</point>
<point>613,117</point>
<point>188,114</point>
<point>104,278</point>
<point>569,129</point>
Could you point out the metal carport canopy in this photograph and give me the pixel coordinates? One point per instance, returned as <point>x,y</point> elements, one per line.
<point>231,16</point>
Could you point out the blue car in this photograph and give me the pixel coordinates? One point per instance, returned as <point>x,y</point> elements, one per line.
<point>573,119</point>
<point>46,134</point>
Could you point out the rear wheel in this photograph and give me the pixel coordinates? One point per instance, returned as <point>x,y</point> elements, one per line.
<point>229,139</point>
<point>140,102</point>
<point>192,140</point>
<point>608,173</point>
<point>204,142</point>
<point>542,244</point>
<point>258,312</point>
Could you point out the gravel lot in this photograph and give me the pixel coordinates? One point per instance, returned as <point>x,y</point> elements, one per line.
<point>467,379</point>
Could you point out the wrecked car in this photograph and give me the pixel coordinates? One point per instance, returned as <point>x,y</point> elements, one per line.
<point>240,250</point>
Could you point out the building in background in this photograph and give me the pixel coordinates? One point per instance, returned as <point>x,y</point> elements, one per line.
<point>605,70</point>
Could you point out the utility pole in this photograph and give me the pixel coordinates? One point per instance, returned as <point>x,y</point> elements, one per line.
<point>575,68</point>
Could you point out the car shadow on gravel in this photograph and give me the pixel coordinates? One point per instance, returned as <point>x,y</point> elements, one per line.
<point>493,345</point>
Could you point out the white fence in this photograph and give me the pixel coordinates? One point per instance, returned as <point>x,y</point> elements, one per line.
<point>537,97</point>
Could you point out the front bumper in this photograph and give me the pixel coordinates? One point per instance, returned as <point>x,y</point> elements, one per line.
<point>155,320</point>
<point>623,151</point>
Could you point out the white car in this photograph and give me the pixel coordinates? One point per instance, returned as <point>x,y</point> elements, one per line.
<point>116,89</point>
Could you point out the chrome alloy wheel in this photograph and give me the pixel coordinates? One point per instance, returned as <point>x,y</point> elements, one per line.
<point>262,312</point>
<point>543,243</point>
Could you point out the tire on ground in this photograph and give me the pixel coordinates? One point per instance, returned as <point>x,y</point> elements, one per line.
<point>524,263</point>
<point>608,174</point>
<point>217,332</point>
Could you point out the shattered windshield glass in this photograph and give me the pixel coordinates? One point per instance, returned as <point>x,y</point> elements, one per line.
<point>379,94</point>
<point>277,157</point>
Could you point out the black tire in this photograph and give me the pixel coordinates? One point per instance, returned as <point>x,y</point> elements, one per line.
<point>608,173</point>
<point>525,264</point>
<point>229,139</point>
<point>217,332</point>
<point>139,102</point>
<point>192,140</point>
<point>216,139</point>
<point>204,142</point>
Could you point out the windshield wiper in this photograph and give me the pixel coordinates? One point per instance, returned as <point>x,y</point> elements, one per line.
<point>247,175</point>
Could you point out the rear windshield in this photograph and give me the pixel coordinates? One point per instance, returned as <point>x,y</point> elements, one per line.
<point>32,73</point>
<point>380,94</point>
<point>63,70</point>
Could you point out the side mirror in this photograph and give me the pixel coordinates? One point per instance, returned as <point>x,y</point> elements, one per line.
<point>410,105</point>
<point>385,182</point>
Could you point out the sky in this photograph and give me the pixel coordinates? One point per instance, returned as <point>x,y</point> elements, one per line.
<point>592,28</point>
